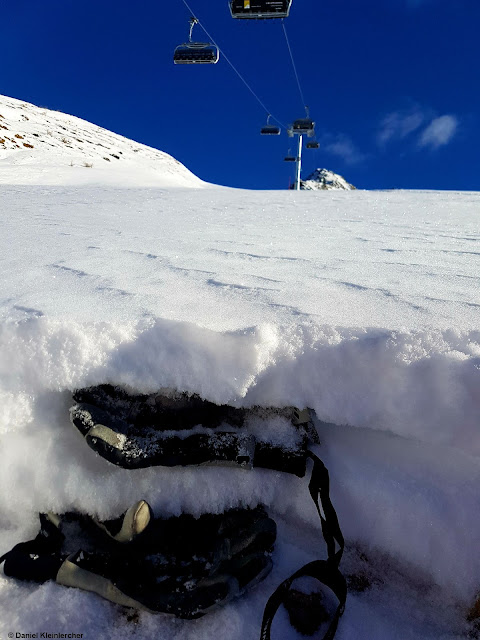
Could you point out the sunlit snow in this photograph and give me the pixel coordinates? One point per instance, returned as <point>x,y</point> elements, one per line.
<point>364,306</point>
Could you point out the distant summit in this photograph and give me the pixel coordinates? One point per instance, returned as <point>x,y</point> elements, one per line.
<point>325,179</point>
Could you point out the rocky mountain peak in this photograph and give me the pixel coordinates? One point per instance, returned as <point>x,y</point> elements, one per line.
<point>325,179</point>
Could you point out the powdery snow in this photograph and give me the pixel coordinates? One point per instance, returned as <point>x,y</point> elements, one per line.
<point>363,306</point>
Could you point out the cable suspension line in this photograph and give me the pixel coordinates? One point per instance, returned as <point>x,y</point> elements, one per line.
<point>267,111</point>
<point>193,22</point>
<point>294,67</point>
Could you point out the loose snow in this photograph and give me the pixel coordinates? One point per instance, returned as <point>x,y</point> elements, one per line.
<point>364,306</point>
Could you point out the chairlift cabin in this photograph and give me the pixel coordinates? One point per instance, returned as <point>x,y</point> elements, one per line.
<point>260,9</point>
<point>196,52</point>
<point>303,126</point>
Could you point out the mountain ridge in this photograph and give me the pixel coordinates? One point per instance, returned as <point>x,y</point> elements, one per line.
<point>41,146</point>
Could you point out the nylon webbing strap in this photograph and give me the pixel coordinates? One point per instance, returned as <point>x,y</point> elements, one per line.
<point>319,487</point>
<point>325,571</point>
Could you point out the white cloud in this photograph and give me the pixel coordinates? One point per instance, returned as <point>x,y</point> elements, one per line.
<point>341,145</point>
<point>400,124</point>
<point>439,132</point>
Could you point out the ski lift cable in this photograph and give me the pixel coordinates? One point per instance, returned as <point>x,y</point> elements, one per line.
<point>234,68</point>
<point>294,66</point>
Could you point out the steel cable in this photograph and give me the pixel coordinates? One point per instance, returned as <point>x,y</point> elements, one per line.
<point>294,67</point>
<point>267,111</point>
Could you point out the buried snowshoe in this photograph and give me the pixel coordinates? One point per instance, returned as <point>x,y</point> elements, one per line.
<point>137,561</point>
<point>143,431</point>
<point>181,565</point>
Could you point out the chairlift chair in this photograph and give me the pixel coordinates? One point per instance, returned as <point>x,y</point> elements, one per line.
<point>313,145</point>
<point>289,158</point>
<point>260,9</point>
<point>196,52</point>
<point>270,129</point>
<point>303,126</point>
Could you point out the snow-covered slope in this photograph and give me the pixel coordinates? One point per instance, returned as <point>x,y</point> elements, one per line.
<point>40,146</point>
<point>325,179</point>
<point>363,306</point>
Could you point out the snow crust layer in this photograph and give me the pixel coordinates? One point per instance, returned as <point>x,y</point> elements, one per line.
<point>362,306</point>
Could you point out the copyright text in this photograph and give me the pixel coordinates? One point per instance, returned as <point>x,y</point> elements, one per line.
<point>44,634</point>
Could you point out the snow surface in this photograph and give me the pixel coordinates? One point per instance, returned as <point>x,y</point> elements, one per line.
<point>364,306</point>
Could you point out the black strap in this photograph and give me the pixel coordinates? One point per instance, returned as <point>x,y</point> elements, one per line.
<point>319,487</point>
<point>32,561</point>
<point>325,571</point>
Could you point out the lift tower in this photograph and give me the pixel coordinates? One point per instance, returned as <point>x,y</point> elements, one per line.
<point>301,127</point>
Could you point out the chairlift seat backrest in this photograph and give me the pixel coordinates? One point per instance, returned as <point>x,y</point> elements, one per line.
<point>270,130</point>
<point>260,9</point>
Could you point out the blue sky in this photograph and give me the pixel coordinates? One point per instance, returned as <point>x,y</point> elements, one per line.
<point>393,85</point>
